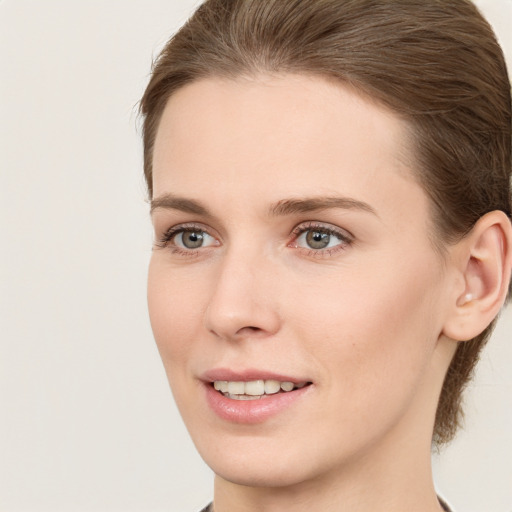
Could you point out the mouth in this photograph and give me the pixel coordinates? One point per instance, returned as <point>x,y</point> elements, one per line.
<point>255,389</point>
<point>252,397</point>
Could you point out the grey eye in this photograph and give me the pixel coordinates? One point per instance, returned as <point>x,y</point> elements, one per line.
<point>317,239</point>
<point>193,239</point>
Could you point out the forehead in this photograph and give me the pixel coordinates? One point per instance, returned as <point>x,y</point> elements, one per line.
<point>277,136</point>
<point>268,107</point>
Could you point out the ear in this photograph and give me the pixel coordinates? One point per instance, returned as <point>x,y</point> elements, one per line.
<point>483,264</point>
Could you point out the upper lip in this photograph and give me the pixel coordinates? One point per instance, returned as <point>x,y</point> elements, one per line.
<point>216,374</point>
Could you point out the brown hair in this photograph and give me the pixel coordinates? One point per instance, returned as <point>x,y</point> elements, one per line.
<point>436,63</point>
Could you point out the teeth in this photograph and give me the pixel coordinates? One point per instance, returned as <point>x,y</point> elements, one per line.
<point>221,385</point>
<point>286,386</point>
<point>272,386</point>
<point>242,397</point>
<point>253,389</point>
<point>236,388</point>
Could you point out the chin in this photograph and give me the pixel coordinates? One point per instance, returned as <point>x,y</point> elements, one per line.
<point>253,463</point>
<point>265,475</point>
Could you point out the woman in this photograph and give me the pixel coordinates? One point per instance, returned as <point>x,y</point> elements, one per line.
<point>330,193</point>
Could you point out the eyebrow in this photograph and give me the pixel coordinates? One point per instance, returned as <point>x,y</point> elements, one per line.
<point>281,208</point>
<point>291,206</point>
<point>172,202</point>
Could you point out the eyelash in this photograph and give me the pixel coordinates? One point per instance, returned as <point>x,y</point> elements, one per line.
<point>345,238</point>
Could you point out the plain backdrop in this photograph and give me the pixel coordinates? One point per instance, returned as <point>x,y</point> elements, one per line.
<point>87,422</point>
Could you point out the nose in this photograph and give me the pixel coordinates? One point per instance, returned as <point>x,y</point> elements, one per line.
<point>244,300</point>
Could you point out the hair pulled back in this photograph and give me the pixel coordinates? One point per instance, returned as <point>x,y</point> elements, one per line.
<point>434,63</point>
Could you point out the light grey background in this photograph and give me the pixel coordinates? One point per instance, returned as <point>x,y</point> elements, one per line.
<point>87,422</point>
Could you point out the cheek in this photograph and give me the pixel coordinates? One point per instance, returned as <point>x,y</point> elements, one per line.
<point>174,304</point>
<point>372,340</point>
<point>374,326</point>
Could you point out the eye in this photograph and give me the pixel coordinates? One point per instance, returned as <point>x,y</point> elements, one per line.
<point>318,238</point>
<point>186,239</point>
<point>192,239</point>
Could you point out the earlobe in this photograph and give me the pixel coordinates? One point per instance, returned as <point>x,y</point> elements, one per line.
<point>485,261</point>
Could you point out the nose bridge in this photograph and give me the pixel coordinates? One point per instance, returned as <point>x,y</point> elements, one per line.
<point>243,300</point>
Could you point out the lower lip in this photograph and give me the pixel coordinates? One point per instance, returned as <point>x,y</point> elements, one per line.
<point>251,411</point>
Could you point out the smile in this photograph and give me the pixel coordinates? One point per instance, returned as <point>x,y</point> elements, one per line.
<point>254,389</point>
<point>247,397</point>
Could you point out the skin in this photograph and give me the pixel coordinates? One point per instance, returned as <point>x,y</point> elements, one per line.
<point>362,320</point>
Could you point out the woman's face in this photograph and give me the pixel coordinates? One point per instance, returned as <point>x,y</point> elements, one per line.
<point>292,246</point>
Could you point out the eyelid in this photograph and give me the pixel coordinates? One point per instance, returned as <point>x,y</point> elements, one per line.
<point>323,226</point>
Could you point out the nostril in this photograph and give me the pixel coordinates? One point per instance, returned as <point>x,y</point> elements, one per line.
<point>249,330</point>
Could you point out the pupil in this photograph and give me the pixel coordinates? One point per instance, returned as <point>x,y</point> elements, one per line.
<point>318,239</point>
